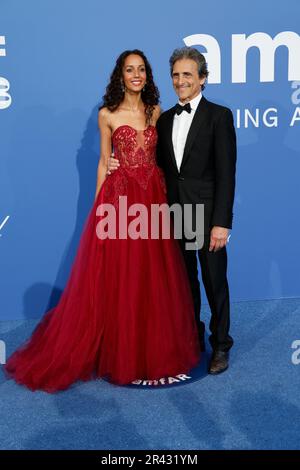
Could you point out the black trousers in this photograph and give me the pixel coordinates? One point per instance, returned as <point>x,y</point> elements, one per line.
<point>214,277</point>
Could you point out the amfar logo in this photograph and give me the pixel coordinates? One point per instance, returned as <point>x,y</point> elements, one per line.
<point>240,46</point>
<point>5,98</point>
<point>2,352</point>
<point>163,381</point>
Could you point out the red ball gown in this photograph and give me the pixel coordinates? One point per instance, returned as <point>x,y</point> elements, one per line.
<point>126,312</point>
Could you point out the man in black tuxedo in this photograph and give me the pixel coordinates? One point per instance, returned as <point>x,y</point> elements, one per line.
<point>197,152</point>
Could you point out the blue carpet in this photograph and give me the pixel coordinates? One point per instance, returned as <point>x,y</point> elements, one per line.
<point>254,405</point>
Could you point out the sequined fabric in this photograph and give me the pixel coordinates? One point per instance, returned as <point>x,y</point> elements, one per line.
<point>135,148</point>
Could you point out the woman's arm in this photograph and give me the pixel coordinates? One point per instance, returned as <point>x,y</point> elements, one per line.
<point>105,147</point>
<point>156,114</point>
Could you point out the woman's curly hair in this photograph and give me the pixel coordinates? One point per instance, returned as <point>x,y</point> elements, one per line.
<point>115,92</point>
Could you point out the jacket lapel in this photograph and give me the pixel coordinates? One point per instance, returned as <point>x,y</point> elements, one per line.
<point>197,121</point>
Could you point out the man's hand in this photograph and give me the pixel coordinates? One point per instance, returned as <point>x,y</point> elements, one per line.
<point>113,164</point>
<point>218,238</point>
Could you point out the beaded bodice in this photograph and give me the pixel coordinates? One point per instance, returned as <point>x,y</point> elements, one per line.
<point>134,148</point>
<point>136,152</point>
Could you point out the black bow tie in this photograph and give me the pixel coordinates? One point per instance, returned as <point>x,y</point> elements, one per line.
<point>186,107</point>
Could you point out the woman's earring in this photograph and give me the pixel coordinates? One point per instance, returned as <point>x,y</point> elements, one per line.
<point>122,86</point>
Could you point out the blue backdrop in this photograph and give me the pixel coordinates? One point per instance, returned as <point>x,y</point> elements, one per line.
<point>55,61</point>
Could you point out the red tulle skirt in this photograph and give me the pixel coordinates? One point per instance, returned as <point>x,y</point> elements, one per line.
<point>126,312</point>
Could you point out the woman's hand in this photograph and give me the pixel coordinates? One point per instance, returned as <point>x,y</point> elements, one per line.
<point>113,164</point>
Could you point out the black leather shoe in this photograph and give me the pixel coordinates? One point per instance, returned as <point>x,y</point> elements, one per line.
<point>219,362</point>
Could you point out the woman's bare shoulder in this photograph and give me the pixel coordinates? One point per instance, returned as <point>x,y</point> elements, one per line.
<point>104,113</point>
<point>104,116</point>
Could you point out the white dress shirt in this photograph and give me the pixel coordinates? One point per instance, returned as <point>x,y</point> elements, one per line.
<point>181,126</point>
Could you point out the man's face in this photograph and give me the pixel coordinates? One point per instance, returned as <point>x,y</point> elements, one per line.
<point>186,80</point>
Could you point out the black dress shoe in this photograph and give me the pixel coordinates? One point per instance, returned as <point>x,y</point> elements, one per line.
<point>219,362</point>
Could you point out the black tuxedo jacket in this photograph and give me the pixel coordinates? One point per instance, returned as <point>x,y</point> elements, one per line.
<point>207,172</point>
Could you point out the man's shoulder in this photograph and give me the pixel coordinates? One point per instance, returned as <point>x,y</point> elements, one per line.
<point>216,108</point>
<point>165,114</point>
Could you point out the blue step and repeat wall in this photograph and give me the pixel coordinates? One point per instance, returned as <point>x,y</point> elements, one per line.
<point>55,60</point>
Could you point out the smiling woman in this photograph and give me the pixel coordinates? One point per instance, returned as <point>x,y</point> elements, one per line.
<point>127,300</point>
<point>132,74</point>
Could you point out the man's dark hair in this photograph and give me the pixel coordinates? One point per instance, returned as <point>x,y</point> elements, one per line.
<point>193,54</point>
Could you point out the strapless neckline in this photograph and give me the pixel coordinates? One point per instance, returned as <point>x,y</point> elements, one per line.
<point>130,127</point>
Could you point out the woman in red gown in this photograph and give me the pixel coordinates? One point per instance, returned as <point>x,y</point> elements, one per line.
<point>126,312</point>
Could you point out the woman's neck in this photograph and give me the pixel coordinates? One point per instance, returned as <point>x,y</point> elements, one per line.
<point>132,101</point>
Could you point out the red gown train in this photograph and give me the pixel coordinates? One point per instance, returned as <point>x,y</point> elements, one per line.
<point>126,312</point>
